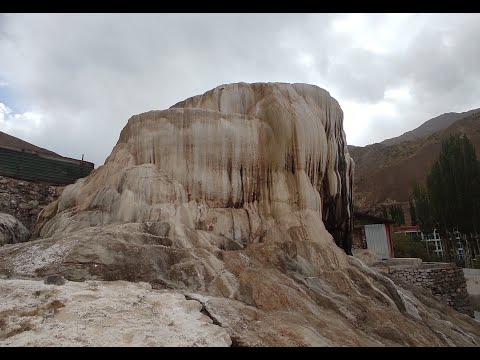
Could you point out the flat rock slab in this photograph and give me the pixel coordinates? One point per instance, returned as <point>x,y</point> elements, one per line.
<point>94,313</point>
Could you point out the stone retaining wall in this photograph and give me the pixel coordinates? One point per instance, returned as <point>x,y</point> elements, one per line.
<point>24,200</point>
<point>444,280</point>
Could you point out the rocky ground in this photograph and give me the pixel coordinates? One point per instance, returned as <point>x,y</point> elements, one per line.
<point>283,296</point>
<point>100,313</point>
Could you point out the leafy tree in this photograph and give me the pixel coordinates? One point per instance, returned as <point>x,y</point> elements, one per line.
<point>413,213</point>
<point>396,214</point>
<point>384,213</point>
<point>401,215</point>
<point>451,199</point>
<point>405,246</point>
<point>423,209</point>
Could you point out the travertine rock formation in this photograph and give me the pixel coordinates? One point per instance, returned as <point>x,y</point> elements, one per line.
<point>12,231</point>
<point>232,198</point>
<point>249,155</point>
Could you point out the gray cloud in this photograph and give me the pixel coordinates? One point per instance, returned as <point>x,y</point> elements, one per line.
<point>362,75</point>
<point>87,74</point>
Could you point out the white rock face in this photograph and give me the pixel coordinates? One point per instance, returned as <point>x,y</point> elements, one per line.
<point>93,313</point>
<point>248,155</point>
<point>12,231</point>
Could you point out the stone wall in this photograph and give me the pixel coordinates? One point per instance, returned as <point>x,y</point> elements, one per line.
<point>444,280</point>
<point>24,200</point>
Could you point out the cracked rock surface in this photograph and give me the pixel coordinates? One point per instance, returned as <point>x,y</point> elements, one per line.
<point>102,313</point>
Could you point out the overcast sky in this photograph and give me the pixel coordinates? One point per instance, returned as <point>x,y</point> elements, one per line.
<point>70,82</point>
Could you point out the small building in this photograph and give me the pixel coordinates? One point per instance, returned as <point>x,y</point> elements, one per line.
<point>373,233</point>
<point>24,161</point>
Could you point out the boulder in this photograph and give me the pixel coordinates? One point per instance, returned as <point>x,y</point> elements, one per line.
<point>12,231</point>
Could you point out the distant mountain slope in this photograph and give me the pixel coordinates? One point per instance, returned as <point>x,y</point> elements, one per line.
<point>13,142</point>
<point>385,174</point>
<point>429,127</point>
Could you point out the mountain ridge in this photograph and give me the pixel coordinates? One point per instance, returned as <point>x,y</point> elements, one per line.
<point>385,174</point>
<point>430,126</point>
